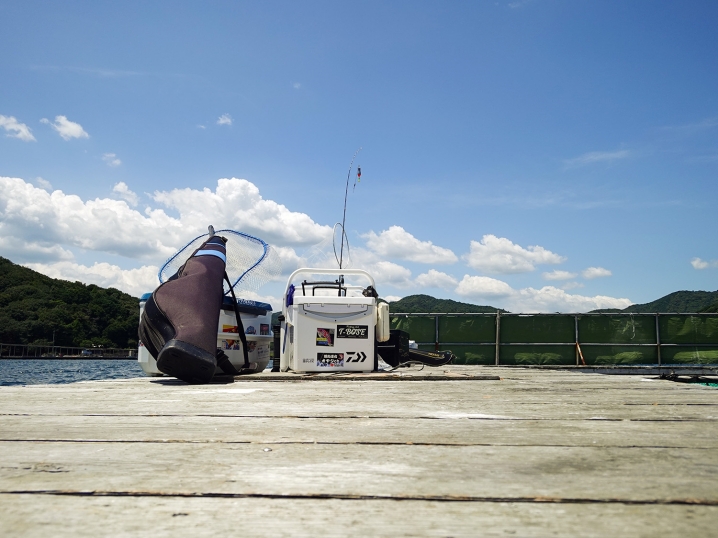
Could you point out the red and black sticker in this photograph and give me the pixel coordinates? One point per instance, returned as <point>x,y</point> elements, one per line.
<point>330,360</point>
<point>264,329</point>
<point>353,331</point>
<point>325,337</point>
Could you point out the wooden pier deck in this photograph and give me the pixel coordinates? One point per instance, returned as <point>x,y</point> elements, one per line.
<point>455,452</point>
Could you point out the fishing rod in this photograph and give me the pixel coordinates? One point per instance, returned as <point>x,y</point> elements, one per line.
<point>344,217</point>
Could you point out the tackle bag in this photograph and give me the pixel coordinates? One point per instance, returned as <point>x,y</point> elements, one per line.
<point>179,323</point>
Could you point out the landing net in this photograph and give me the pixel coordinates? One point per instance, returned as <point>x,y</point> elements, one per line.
<point>250,261</point>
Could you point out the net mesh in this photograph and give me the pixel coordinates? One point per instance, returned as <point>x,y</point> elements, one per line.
<point>250,261</point>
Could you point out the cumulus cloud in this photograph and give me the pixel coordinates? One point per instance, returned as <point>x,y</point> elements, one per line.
<point>597,157</point>
<point>595,272</point>
<point>124,192</point>
<point>34,249</point>
<point>559,275</point>
<point>132,281</point>
<point>483,287</point>
<point>436,279</point>
<point>398,243</point>
<point>296,85</point>
<point>499,255</point>
<point>39,219</point>
<point>697,263</point>
<point>238,205</point>
<point>530,300</point>
<point>111,159</point>
<point>66,129</point>
<point>224,119</point>
<point>43,183</point>
<point>15,129</point>
<point>391,298</point>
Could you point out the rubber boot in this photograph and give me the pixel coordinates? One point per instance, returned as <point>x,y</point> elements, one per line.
<point>179,323</point>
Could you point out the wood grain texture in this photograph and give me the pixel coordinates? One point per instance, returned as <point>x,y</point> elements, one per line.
<point>533,453</point>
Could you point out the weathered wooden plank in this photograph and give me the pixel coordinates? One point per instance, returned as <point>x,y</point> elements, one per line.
<point>44,515</point>
<point>588,433</point>
<point>599,474</point>
<point>627,400</point>
<point>595,450</point>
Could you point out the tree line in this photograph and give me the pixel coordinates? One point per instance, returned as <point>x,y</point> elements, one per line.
<point>36,309</point>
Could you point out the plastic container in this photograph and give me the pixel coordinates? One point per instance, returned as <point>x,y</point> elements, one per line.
<point>257,321</point>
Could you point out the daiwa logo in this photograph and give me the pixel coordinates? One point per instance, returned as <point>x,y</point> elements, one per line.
<point>356,356</point>
<point>353,331</point>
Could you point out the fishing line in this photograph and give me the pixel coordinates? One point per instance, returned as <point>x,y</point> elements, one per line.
<point>344,217</point>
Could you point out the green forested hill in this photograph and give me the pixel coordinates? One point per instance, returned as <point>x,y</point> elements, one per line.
<point>33,305</point>
<point>677,302</point>
<point>427,303</point>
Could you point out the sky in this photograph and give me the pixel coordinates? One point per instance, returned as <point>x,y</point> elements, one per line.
<point>533,155</point>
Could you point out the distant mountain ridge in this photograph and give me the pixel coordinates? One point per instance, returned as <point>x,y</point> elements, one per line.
<point>678,302</point>
<point>414,304</point>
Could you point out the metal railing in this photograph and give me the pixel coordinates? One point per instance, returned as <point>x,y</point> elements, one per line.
<point>664,338</point>
<point>32,351</point>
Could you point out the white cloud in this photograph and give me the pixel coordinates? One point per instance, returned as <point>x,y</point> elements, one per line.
<point>530,300</point>
<point>238,205</point>
<point>43,183</point>
<point>390,273</point>
<point>551,299</point>
<point>39,219</point>
<point>483,287</point>
<point>571,285</point>
<point>595,272</point>
<point>124,192</point>
<point>20,249</point>
<point>500,256</point>
<point>391,298</point>
<point>398,243</point>
<point>559,275</point>
<point>201,126</point>
<point>132,281</point>
<point>15,129</point>
<point>697,263</point>
<point>224,119</point>
<point>296,85</point>
<point>436,279</point>
<point>67,129</point>
<point>597,157</point>
<point>111,159</point>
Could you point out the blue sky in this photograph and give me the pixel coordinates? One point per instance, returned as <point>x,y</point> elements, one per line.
<point>535,155</point>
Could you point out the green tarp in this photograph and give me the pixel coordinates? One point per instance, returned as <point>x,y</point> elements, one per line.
<point>628,339</point>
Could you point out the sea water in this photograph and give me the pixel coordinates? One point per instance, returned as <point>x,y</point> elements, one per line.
<point>56,371</point>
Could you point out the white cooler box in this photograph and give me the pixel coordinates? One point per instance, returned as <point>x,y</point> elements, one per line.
<point>330,333</point>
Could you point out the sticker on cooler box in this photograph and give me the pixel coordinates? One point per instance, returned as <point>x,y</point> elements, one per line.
<point>325,337</point>
<point>250,330</point>
<point>330,360</point>
<point>352,331</point>
<point>263,329</point>
<point>229,329</point>
<point>230,344</point>
<point>356,356</point>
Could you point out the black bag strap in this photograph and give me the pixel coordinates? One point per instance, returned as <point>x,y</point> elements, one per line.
<point>222,360</point>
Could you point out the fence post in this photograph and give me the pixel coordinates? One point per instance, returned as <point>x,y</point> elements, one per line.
<point>658,339</point>
<point>575,332</point>
<point>498,333</point>
<point>436,332</point>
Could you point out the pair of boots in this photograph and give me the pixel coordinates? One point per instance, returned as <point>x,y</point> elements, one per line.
<point>179,324</point>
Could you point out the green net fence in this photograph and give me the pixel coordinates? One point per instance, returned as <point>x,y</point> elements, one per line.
<point>565,339</point>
